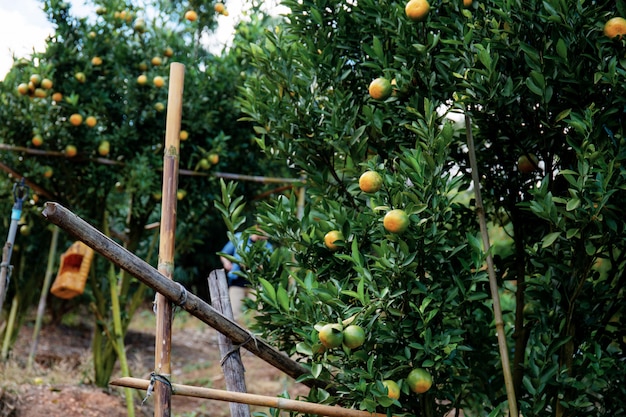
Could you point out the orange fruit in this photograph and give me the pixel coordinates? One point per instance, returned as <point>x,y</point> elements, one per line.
<point>213,158</point>
<point>419,380</point>
<point>80,76</point>
<point>393,389</point>
<point>331,237</point>
<point>191,15</point>
<point>46,83</point>
<point>417,10</point>
<point>35,79</point>
<point>219,7</point>
<point>527,163</point>
<point>467,3</point>
<point>380,89</point>
<point>158,81</point>
<point>156,61</point>
<point>22,89</point>
<point>70,150</point>
<point>225,13</point>
<point>180,194</point>
<point>57,97</point>
<point>204,163</point>
<point>370,181</point>
<point>47,173</point>
<point>168,52</point>
<point>615,27</point>
<point>331,335</point>
<point>91,121</point>
<point>184,135</point>
<point>40,92</point>
<point>104,148</point>
<point>76,119</point>
<point>37,140</point>
<point>396,221</point>
<point>142,79</point>
<point>158,106</point>
<point>353,336</point>
<point>96,61</point>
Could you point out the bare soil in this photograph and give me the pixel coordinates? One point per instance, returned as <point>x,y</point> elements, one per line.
<point>60,382</point>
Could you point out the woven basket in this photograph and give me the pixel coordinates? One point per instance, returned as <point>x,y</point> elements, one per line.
<point>72,275</point>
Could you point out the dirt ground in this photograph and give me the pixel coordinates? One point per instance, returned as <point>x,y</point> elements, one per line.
<point>60,381</point>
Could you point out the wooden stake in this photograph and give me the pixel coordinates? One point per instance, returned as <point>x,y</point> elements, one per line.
<point>163,343</point>
<point>252,399</point>
<point>493,283</point>
<point>234,372</point>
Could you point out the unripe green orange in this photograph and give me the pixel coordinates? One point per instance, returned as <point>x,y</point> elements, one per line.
<point>396,221</point>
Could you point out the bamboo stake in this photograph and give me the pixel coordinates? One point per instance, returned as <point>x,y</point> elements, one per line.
<point>163,343</point>
<point>493,284</point>
<point>252,399</point>
<point>41,308</point>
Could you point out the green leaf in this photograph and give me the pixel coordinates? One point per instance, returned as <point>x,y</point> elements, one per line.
<point>268,289</point>
<point>562,115</point>
<point>283,298</point>
<point>549,239</point>
<point>530,83</point>
<point>572,204</point>
<point>561,48</point>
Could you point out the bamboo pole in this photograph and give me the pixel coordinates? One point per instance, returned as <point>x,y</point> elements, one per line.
<point>41,308</point>
<point>174,292</point>
<point>252,399</point>
<point>493,284</point>
<point>163,342</point>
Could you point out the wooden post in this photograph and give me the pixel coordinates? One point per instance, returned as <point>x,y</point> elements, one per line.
<point>163,342</point>
<point>231,359</point>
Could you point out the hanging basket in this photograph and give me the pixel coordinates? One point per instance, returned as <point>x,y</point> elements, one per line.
<point>72,275</point>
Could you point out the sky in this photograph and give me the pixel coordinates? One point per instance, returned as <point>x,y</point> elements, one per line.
<point>24,27</point>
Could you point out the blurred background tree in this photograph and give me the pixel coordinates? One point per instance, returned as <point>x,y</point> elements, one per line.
<point>84,123</point>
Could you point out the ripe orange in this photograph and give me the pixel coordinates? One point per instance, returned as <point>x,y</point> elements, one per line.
<point>191,15</point>
<point>393,389</point>
<point>91,121</point>
<point>467,3</point>
<point>76,119</point>
<point>158,81</point>
<point>615,27</point>
<point>396,221</point>
<point>331,237</point>
<point>419,380</point>
<point>96,61</point>
<point>57,97</point>
<point>380,89</point>
<point>527,163</point>
<point>184,135</point>
<point>70,151</point>
<point>168,52</point>
<point>46,83</point>
<point>40,92</point>
<point>219,7</point>
<point>22,89</point>
<point>47,173</point>
<point>417,10</point>
<point>142,79</point>
<point>156,61</point>
<point>370,182</point>
<point>37,140</point>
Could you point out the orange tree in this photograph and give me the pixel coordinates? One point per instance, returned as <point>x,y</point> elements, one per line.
<point>536,79</point>
<point>91,138</point>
